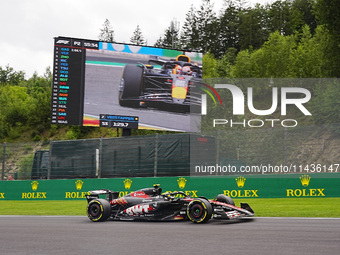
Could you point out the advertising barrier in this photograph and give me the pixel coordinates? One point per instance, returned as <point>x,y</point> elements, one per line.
<point>247,186</point>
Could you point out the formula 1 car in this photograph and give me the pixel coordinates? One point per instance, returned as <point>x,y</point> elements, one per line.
<point>151,205</point>
<point>145,85</point>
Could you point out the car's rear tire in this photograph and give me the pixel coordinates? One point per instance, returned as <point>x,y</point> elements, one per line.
<point>199,211</point>
<point>98,210</point>
<point>131,86</point>
<point>225,199</point>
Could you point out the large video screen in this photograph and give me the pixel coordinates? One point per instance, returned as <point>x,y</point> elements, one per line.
<point>124,86</point>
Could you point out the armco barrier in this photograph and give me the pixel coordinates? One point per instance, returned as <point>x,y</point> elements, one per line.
<point>247,186</point>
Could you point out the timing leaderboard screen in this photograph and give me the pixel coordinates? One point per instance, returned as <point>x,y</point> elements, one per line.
<point>68,80</point>
<point>125,86</point>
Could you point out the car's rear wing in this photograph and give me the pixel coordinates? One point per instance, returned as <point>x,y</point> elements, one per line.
<point>94,194</point>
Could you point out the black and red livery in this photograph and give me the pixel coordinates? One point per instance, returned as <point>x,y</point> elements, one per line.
<point>168,82</point>
<point>151,204</point>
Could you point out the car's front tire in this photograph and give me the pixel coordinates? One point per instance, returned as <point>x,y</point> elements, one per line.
<point>131,86</point>
<point>98,210</point>
<point>199,210</point>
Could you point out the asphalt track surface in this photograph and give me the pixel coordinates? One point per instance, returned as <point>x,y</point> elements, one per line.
<point>77,235</point>
<point>101,94</point>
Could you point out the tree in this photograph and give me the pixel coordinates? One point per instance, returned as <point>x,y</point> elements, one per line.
<point>210,66</point>
<point>310,59</point>
<point>207,27</point>
<point>326,46</point>
<point>170,39</point>
<point>302,13</point>
<point>137,37</point>
<point>327,12</point>
<point>190,33</point>
<point>8,75</point>
<point>279,17</point>
<point>274,59</point>
<point>243,66</point>
<point>15,105</point>
<point>328,15</point>
<point>171,36</point>
<point>159,42</point>
<point>253,27</point>
<point>106,33</point>
<point>326,94</point>
<point>229,27</point>
<point>39,90</point>
<point>277,56</point>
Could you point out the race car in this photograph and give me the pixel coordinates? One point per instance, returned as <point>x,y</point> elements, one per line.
<point>150,204</point>
<point>149,85</point>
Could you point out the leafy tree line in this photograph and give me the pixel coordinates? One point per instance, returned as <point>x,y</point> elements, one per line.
<point>290,38</point>
<point>301,37</point>
<point>25,104</point>
<point>235,26</point>
<point>294,56</point>
<point>239,27</point>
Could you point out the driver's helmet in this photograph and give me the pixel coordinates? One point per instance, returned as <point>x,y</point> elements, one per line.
<point>186,70</point>
<point>157,189</point>
<point>178,69</point>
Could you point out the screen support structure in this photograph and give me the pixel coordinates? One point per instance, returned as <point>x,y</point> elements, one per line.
<point>126,131</point>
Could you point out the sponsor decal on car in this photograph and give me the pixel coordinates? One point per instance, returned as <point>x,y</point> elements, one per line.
<point>139,194</point>
<point>119,201</point>
<point>191,193</point>
<point>233,214</point>
<point>138,209</point>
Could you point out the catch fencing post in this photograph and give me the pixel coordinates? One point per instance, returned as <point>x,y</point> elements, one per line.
<point>49,161</point>
<point>100,157</point>
<point>156,157</point>
<point>3,163</point>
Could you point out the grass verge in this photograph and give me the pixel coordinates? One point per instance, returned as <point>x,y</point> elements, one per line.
<point>40,207</point>
<point>263,207</point>
<point>294,207</point>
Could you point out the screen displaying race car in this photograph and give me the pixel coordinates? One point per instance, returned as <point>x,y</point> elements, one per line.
<point>161,82</point>
<point>150,204</point>
<point>152,86</point>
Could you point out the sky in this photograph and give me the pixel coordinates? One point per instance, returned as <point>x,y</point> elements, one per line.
<point>29,26</point>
